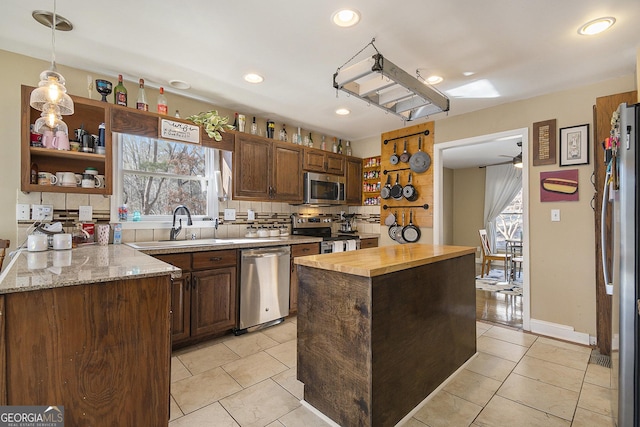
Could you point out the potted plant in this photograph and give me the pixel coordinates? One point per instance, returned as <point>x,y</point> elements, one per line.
<point>212,123</point>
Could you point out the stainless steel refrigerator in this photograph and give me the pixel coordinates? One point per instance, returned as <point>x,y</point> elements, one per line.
<point>623,283</point>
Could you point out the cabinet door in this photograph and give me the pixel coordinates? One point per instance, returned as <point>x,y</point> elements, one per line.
<point>287,173</point>
<point>213,301</point>
<point>353,177</point>
<point>181,308</point>
<point>296,251</point>
<point>251,168</point>
<point>314,160</point>
<point>335,164</point>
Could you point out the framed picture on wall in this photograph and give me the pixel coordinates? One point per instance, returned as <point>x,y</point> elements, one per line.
<point>574,145</point>
<point>544,143</point>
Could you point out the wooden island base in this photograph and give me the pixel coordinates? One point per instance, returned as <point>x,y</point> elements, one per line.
<point>370,349</point>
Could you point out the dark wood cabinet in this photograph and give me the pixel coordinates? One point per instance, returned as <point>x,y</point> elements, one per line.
<point>204,299</point>
<point>213,301</point>
<point>297,251</point>
<point>266,170</point>
<point>102,350</point>
<point>353,178</point>
<point>322,161</point>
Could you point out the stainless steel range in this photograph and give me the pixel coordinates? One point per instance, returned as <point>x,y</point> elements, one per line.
<point>320,226</point>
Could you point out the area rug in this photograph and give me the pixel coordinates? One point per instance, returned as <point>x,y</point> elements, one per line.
<point>490,283</point>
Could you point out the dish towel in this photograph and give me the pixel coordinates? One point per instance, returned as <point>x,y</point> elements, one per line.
<point>338,246</point>
<point>351,245</point>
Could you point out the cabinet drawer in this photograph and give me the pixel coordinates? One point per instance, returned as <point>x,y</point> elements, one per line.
<point>214,259</point>
<point>369,243</point>
<point>182,261</point>
<point>305,249</point>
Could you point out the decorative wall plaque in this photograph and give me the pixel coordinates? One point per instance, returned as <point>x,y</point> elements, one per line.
<point>544,143</point>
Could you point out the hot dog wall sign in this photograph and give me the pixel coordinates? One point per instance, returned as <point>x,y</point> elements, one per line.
<point>559,186</point>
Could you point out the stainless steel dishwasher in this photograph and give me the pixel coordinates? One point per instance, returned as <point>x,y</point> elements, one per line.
<point>264,287</point>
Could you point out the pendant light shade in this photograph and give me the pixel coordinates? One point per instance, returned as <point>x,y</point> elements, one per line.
<point>51,96</point>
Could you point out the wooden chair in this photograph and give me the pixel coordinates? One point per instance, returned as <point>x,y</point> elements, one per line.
<point>487,256</point>
<point>4,244</point>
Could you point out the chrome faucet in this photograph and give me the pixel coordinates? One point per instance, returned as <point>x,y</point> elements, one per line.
<point>175,231</point>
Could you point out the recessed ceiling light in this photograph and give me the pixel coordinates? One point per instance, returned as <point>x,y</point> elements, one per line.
<point>468,73</point>
<point>434,80</point>
<point>253,78</point>
<point>342,111</point>
<point>596,26</point>
<point>179,84</point>
<point>346,17</point>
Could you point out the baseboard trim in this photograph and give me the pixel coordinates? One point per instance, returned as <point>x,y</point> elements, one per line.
<point>559,331</point>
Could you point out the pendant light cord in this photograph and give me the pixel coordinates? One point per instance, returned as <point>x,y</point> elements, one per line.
<point>54,24</point>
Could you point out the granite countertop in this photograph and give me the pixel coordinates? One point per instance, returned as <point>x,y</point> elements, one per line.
<point>383,260</point>
<point>30,271</point>
<point>199,245</point>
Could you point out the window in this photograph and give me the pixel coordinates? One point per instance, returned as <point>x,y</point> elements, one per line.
<point>509,223</point>
<point>153,176</point>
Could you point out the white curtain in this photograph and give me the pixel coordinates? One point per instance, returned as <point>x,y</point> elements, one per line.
<point>502,184</point>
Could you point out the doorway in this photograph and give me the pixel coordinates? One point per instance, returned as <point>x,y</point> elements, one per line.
<point>438,212</point>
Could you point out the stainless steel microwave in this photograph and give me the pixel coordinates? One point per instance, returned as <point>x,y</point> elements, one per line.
<point>322,189</point>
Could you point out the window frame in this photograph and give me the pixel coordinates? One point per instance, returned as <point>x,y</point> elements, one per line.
<point>212,164</point>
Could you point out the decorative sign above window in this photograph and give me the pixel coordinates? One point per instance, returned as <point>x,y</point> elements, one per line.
<point>178,131</point>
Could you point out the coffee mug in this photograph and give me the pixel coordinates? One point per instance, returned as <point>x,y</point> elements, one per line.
<point>101,181</point>
<point>48,139</point>
<point>62,140</point>
<point>67,179</point>
<point>88,181</point>
<point>78,179</point>
<point>46,178</point>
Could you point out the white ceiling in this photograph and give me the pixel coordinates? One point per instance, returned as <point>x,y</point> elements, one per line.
<point>522,48</point>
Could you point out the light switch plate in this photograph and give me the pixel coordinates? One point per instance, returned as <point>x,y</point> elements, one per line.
<point>22,212</point>
<point>555,215</point>
<point>251,215</point>
<point>85,213</point>
<point>229,214</point>
<point>42,212</point>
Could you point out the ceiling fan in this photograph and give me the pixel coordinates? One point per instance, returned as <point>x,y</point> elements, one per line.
<point>515,161</point>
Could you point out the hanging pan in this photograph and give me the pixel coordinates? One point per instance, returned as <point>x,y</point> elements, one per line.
<point>405,156</point>
<point>398,232</point>
<point>410,233</point>
<point>409,191</point>
<point>420,161</point>
<point>394,227</point>
<point>396,190</point>
<point>385,193</point>
<point>394,159</point>
<point>390,220</point>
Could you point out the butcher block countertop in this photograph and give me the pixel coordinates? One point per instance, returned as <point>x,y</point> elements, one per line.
<point>383,260</point>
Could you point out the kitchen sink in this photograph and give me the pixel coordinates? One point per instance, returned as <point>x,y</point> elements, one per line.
<point>161,244</point>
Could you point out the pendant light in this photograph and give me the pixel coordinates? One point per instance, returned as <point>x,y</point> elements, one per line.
<point>51,96</point>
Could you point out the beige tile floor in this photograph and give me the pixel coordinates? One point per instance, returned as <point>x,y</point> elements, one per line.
<point>515,379</point>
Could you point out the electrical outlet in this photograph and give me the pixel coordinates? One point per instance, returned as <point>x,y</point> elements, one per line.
<point>555,215</point>
<point>229,214</point>
<point>85,213</point>
<point>251,215</point>
<point>23,212</point>
<point>42,212</point>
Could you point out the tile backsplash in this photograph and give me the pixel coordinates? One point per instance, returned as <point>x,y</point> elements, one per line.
<point>268,214</point>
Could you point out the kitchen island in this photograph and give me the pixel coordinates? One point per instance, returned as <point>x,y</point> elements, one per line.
<point>381,328</point>
<point>87,329</point>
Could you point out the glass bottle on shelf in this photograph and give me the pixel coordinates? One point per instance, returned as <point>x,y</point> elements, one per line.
<point>310,140</point>
<point>235,121</point>
<point>348,149</point>
<point>334,147</point>
<point>323,144</point>
<point>120,93</point>
<point>254,126</point>
<point>177,114</point>
<point>142,103</point>
<point>340,146</point>
<point>283,133</point>
<point>162,102</point>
